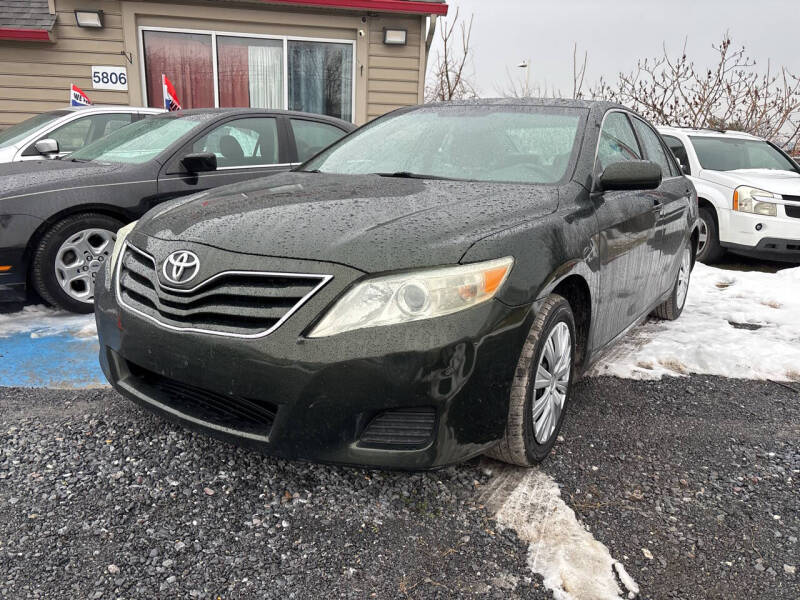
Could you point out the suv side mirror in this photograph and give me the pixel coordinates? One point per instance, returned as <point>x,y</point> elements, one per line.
<point>198,162</point>
<point>46,147</point>
<point>630,175</point>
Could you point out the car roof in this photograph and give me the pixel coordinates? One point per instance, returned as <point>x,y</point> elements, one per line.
<point>601,105</point>
<point>111,107</point>
<point>708,132</point>
<point>209,113</point>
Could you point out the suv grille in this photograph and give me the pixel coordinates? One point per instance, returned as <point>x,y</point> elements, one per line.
<point>233,303</point>
<point>218,411</point>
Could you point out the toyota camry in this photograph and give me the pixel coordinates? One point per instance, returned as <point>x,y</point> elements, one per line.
<point>423,291</point>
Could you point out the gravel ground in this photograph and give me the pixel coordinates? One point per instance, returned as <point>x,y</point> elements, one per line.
<point>691,483</point>
<point>101,500</point>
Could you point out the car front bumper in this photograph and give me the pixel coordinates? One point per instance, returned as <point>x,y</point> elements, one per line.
<point>769,238</point>
<point>412,396</point>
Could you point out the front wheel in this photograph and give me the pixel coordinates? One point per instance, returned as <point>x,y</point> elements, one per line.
<point>709,250</point>
<point>672,307</point>
<point>541,388</point>
<point>68,258</point>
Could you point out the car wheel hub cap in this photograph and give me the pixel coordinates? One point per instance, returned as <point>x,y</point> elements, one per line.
<point>80,258</point>
<point>702,238</point>
<point>551,383</point>
<point>683,277</point>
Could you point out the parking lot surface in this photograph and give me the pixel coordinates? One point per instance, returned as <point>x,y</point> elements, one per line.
<point>691,484</point>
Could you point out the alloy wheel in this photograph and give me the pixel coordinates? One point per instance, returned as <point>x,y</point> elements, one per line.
<point>552,382</point>
<point>79,259</point>
<point>702,238</point>
<point>683,277</point>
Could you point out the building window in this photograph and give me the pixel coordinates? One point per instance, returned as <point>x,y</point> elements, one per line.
<point>219,69</point>
<point>321,78</point>
<point>187,60</point>
<point>250,72</point>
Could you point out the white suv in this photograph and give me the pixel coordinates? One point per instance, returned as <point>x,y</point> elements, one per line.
<point>748,191</point>
<point>56,133</point>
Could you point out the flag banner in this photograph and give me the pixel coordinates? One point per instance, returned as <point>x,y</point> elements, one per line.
<point>171,101</point>
<point>77,97</point>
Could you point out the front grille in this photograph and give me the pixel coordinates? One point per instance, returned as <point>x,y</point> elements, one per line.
<point>404,428</point>
<point>235,303</point>
<point>219,411</point>
<point>793,211</point>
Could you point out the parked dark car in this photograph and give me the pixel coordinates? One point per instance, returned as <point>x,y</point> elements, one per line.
<point>423,291</point>
<point>58,219</point>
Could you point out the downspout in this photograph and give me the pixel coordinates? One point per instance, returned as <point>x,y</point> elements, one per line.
<point>429,39</point>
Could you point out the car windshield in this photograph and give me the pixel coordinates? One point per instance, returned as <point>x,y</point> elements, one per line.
<point>137,143</point>
<point>518,144</point>
<point>20,131</point>
<point>730,154</point>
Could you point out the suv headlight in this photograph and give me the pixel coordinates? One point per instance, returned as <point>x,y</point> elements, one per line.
<point>414,296</point>
<point>751,200</point>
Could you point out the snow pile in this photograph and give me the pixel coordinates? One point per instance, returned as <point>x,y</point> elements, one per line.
<point>574,565</point>
<point>41,321</point>
<point>735,324</point>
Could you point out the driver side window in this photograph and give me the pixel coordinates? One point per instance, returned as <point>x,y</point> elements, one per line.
<point>246,142</point>
<point>617,142</point>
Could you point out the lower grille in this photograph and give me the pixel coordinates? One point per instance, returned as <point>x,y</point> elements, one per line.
<point>216,410</point>
<point>404,428</point>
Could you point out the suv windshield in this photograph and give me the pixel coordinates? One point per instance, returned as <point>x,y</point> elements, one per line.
<point>519,144</point>
<point>137,143</point>
<point>20,131</point>
<point>729,154</point>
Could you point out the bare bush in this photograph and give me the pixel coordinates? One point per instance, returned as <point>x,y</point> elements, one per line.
<point>732,94</point>
<point>448,78</point>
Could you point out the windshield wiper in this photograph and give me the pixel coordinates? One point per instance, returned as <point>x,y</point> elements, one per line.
<point>410,175</point>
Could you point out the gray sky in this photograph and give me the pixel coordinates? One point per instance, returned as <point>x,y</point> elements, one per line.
<point>618,32</point>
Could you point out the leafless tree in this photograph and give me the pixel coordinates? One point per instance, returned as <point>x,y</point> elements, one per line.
<point>449,78</point>
<point>732,94</point>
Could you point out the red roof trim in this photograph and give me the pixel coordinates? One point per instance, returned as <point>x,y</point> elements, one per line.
<point>25,35</point>
<point>398,6</point>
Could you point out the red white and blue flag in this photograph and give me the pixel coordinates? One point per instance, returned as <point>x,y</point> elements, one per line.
<point>171,101</point>
<point>77,97</point>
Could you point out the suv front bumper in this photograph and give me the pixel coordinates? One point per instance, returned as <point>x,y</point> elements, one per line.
<point>777,239</point>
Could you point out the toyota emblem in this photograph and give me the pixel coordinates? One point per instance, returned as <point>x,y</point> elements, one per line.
<point>181,267</point>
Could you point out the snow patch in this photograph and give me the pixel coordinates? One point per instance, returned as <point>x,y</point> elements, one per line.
<point>736,324</point>
<point>574,565</point>
<point>41,321</point>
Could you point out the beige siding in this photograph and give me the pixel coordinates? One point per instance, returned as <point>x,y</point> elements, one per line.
<point>36,77</point>
<point>395,72</point>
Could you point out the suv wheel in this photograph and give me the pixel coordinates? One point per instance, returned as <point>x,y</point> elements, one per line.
<point>708,249</point>
<point>542,386</point>
<point>68,258</point>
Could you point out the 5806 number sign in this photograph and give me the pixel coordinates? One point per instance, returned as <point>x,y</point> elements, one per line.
<point>109,78</point>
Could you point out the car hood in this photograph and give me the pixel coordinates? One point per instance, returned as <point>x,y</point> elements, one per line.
<point>777,182</point>
<point>368,222</point>
<point>36,176</point>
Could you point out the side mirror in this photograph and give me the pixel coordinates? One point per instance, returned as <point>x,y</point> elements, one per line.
<point>198,162</point>
<point>630,175</point>
<point>46,147</point>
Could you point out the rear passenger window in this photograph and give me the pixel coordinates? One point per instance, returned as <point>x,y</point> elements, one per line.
<point>313,136</point>
<point>617,141</point>
<point>653,148</point>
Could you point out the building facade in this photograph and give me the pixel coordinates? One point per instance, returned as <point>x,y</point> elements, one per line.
<point>352,59</point>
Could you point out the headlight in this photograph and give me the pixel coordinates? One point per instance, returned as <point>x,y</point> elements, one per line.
<point>414,296</point>
<point>121,235</point>
<point>750,200</point>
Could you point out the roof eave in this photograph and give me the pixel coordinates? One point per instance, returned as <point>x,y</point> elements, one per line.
<point>413,7</point>
<point>25,35</point>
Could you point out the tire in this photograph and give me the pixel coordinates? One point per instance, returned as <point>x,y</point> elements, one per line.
<point>58,242</point>
<point>709,252</point>
<point>519,445</point>
<point>672,307</point>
